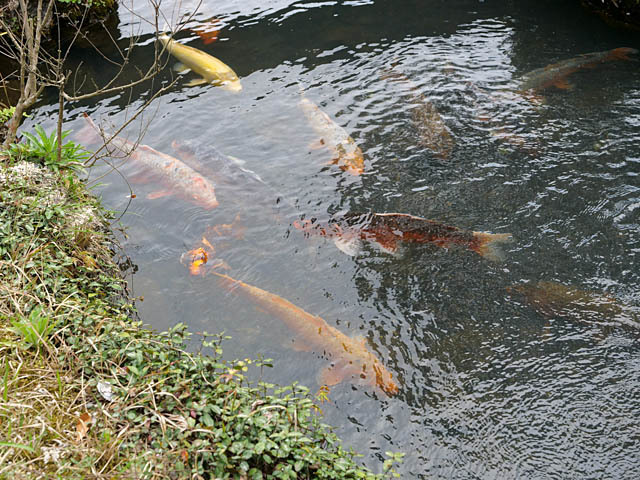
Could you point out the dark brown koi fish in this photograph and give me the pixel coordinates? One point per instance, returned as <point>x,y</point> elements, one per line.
<point>425,117</point>
<point>553,299</point>
<point>388,229</point>
<point>178,177</point>
<point>555,75</point>
<point>350,358</point>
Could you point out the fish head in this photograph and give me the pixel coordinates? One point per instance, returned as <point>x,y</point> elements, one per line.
<point>203,193</point>
<point>232,85</point>
<point>623,53</point>
<point>382,379</point>
<point>195,259</point>
<point>165,39</point>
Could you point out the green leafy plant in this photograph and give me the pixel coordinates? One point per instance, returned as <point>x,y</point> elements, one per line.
<point>6,113</point>
<point>34,329</point>
<point>42,149</point>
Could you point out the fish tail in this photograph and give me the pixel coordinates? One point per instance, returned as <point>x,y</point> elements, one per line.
<point>622,53</point>
<point>89,134</point>
<point>488,245</point>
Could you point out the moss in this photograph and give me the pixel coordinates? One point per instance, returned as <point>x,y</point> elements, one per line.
<point>99,395</point>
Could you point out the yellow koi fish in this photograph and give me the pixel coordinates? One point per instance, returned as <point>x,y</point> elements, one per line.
<point>208,67</point>
<point>346,153</point>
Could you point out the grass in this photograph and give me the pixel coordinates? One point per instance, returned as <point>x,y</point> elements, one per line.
<point>88,392</point>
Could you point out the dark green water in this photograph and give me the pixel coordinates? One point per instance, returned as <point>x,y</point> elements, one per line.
<point>489,387</point>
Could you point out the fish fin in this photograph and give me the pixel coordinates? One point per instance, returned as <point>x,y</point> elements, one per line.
<point>196,81</point>
<point>319,144</point>
<point>489,245</point>
<point>388,244</point>
<point>181,68</point>
<point>159,194</point>
<point>562,84</point>
<point>350,244</point>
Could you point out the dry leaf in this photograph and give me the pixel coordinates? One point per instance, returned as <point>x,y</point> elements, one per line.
<point>82,426</point>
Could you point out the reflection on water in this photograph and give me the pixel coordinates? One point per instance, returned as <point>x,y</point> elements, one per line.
<point>489,386</point>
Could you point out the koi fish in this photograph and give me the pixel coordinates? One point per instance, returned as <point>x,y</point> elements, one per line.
<point>388,229</point>
<point>425,117</point>
<point>553,299</point>
<point>214,164</point>
<point>350,358</point>
<point>179,177</point>
<point>346,153</point>
<point>555,75</point>
<point>208,67</point>
<point>209,31</point>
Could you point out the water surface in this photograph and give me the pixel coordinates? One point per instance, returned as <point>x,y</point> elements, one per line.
<point>489,387</point>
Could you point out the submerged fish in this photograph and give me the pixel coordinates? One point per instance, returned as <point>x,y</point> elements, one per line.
<point>209,30</point>
<point>216,165</point>
<point>177,176</point>
<point>553,299</point>
<point>350,358</point>
<point>555,75</point>
<point>425,117</point>
<point>210,68</point>
<point>346,153</point>
<point>388,229</point>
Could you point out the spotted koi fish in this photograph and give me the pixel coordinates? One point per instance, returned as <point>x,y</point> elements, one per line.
<point>387,230</point>
<point>179,178</point>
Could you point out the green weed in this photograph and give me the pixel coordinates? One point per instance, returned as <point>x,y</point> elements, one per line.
<point>34,329</point>
<point>42,149</point>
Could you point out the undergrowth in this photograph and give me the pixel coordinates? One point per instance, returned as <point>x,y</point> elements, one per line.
<point>87,392</point>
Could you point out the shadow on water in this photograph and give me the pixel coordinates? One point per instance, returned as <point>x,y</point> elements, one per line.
<point>490,385</point>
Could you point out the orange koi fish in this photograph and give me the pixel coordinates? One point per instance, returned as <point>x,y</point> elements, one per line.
<point>209,30</point>
<point>178,177</point>
<point>555,75</point>
<point>350,358</point>
<point>388,229</point>
<point>346,153</point>
<point>553,299</point>
<point>425,117</point>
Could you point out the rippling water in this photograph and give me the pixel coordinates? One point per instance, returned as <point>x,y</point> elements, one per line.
<point>489,386</point>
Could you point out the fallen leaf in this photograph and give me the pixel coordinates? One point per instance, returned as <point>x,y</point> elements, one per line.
<point>82,426</point>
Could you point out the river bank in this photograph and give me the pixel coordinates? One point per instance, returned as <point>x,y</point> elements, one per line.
<point>87,391</point>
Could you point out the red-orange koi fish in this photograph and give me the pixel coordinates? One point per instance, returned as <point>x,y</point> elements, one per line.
<point>178,177</point>
<point>555,75</point>
<point>388,229</point>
